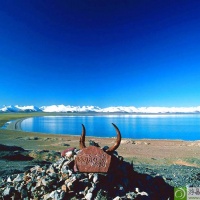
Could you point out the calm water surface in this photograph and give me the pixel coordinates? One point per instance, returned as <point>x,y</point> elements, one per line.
<point>186,127</point>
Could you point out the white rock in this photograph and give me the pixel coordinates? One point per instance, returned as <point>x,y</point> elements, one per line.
<point>18,178</point>
<point>44,182</point>
<point>95,178</point>
<point>90,175</point>
<point>92,188</point>
<point>6,191</point>
<point>69,185</point>
<point>117,198</point>
<point>70,172</point>
<point>9,179</point>
<point>68,154</point>
<point>137,190</point>
<point>88,196</point>
<point>54,195</point>
<point>143,193</point>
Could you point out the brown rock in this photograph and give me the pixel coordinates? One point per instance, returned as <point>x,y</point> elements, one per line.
<point>92,159</point>
<point>64,188</point>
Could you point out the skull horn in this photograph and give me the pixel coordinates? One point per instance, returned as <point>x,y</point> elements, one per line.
<point>82,138</point>
<point>117,143</point>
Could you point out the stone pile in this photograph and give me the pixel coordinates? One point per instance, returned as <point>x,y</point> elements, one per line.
<point>61,180</point>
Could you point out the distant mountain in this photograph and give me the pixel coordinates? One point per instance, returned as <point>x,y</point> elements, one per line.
<point>62,108</point>
<point>96,109</point>
<point>9,109</point>
<point>20,109</point>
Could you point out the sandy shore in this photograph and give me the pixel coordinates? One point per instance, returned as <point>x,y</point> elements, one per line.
<point>15,125</point>
<point>156,152</point>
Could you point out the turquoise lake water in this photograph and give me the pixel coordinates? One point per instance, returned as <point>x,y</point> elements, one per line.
<point>185,127</point>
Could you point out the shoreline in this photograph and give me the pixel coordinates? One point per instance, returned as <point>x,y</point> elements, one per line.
<point>15,125</point>
<point>147,151</point>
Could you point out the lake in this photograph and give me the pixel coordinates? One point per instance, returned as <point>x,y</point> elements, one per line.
<point>183,126</point>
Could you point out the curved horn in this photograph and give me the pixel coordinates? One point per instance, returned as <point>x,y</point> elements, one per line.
<point>117,143</point>
<point>82,138</point>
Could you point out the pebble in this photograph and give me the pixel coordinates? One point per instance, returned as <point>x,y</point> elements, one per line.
<point>68,154</point>
<point>19,178</point>
<point>9,180</point>
<point>88,196</point>
<point>6,191</point>
<point>117,198</point>
<point>143,193</point>
<point>95,178</point>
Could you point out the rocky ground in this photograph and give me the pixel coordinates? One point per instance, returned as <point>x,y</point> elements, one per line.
<point>61,180</point>
<point>128,180</point>
<point>15,159</point>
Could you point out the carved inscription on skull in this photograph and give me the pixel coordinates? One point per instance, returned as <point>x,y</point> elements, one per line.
<point>93,159</point>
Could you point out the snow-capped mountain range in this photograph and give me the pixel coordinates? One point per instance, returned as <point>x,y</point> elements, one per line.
<point>117,109</point>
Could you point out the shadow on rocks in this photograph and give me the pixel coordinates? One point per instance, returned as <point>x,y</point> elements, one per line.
<point>124,182</point>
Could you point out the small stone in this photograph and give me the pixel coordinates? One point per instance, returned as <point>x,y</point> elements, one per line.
<point>53,195</point>
<point>137,190</point>
<point>18,178</point>
<point>86,190</point>
<point>88,196</point>
<point>64,176</point>
<point>44,182</point>
<point>101,194</point>
<point>63,153</point>
<point>36,168</point>
<point>115,153</point>
<point>143,193</point>
<point>9,180</point>
<point>19,186</point>
<point>70,172</point>
<point>95,178</point>
<point>64,170</point>
<point>29,185</point>
<point>131,195</point>
<point>46,196</point>
<point>69,185</point>
<point>92,189</point>
<point>85,180</point>
<point>39,183</point>
<point>50,169</point>
<point>69,154</point>
<point>66,145</point>
<point>64,188</point>
<point>117,198</point>
<point>27,179</point>
<point>105,148</point>
<point>7,191</point>
<point>90,175</point>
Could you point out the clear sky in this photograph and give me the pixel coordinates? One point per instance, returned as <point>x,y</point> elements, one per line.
<point>100,52</point>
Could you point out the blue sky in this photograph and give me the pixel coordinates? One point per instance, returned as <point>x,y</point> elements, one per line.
<point>102,53</point>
